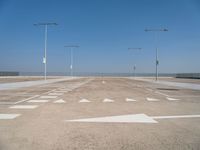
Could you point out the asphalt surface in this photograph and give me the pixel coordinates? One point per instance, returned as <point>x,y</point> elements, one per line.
<point>142,115</point>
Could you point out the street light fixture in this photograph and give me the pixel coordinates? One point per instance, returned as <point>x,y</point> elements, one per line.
<point>134,67</point>
<point>157,61</point>
<point>45,45</point>
<point>72,59</point>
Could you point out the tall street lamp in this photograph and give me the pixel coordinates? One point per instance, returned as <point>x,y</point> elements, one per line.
<point>156,31</point>
<point>45,45</point>
<point>134,67</point>
<point>72,57</point>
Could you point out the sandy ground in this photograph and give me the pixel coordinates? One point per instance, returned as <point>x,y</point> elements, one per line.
<point>47,126</point>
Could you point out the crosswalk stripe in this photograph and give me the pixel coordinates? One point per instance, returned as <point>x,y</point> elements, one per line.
<point>48,96</point>
<point>38,101</point>
<point>23,106</point>
<point>8,116</point>
<point>55,94</point>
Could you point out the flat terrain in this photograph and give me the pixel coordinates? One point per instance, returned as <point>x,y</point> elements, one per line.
<point>100,114</point>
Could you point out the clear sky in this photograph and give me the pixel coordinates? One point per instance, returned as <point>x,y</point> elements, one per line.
<point>104,29</point>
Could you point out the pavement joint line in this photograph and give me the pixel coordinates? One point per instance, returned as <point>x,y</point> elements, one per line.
<point>158,92</point>
<point>23,106</point>
<point>55,94</point>
<point>26,99</point>
<point>8,116</point>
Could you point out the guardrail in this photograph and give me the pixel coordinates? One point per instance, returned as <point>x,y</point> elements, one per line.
<point>5,73</point>
<point>188,75</point>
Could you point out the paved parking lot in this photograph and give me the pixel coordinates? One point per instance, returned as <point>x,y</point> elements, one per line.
<point>100,113</point>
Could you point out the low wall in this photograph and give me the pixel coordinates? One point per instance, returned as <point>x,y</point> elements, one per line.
<point>5,73</point>
<point>188,75</point>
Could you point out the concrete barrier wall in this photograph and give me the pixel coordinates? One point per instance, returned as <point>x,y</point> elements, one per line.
<point>188,75</point>
<point>3,73</point>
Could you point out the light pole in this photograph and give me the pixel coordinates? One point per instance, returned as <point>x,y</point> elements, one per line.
<point>157,61</point>
<point>45,45</point>
<point>134,67</point>
<point>71,57</point>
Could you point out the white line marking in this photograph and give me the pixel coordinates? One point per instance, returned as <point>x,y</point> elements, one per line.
<point>23,107</point>
<point>135,118</point>
<point>26,99</point>
<point>61,91</point>
<point>130,100</point>
<point>172,99</point>
<point>174,117</point>
<point>9,116</point>
<point>152,99</point>
<point>84,101</point>
<point>157,92</point>
<point>48,96</point>
<point>38,101</point>
<point>59,101</point>
<point>54,94</point>
<point>106,100</point>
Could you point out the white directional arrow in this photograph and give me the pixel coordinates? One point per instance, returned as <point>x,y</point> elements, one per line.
<point>134,118</point>
<point>59,101</point>
<point>84,101</point>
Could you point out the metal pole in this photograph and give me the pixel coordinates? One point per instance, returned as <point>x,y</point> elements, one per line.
<point>156,56</point>
<point>45,54</point>
<point>71,67</point>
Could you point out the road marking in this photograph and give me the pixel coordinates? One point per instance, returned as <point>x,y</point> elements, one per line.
<point>157,92</point>
<point>8,116</point>
<point>106,100</point>
<point>130,100</point>
<point>48,96</point>
<point>54,94</point>
<point>135,118</point>
<point>61,91</point>
<point>24,106</point>
<point>26,99</point>
<point>38,101</point>
<point>176,117</point>
<point>59,101</point>
<point>152,99</point>
<point>172,99</point>
<point>84,101</point>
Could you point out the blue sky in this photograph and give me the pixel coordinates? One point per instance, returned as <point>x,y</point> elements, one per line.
<point>104,29</point>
